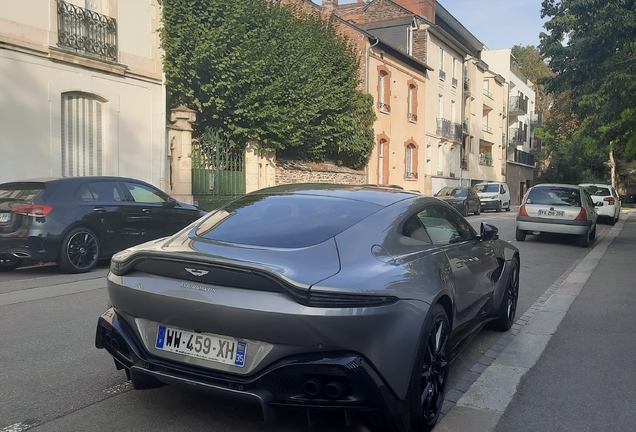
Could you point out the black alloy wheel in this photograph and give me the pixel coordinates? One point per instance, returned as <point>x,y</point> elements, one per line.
<point>9,263</point>
<point>427,388</point>
<point>79,252</point>
<point>508,308</point>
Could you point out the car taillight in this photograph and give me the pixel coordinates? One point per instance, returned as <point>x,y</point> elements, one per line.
<point>34,210</point>
<point>522,211</point>
<point>609,200</point>
<point>582,215</point>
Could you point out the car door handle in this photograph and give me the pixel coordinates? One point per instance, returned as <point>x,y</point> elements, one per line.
<point>99,209</point>
<point>146,210</point>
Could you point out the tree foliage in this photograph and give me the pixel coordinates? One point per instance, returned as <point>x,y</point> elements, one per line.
<point>259,70</point>
<point>591,48</point>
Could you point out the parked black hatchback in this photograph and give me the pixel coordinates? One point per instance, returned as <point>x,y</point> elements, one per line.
<point>76,221</point>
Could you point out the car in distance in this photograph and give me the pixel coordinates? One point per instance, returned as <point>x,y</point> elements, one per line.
<point>464,199</point>
<point>312,296</point>
<point>76,221</point>
<point>557,208</point>
<point>606,200</point>
<point>493,195</point>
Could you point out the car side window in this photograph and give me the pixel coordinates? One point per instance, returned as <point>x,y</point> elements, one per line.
<point>444,226</point>
<point>103,191</point>
<point>414,229</point>
<point>144,194</point>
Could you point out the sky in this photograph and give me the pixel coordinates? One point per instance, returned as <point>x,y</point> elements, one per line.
<point>496,23</point>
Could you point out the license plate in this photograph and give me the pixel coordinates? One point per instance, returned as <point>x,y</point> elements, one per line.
<point>202,346</point>
<point>5,217</point>
<point>556,213</point>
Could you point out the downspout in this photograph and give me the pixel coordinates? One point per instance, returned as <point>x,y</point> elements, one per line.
<point>377,41</point>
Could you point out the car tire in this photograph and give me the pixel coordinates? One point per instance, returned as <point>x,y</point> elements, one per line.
<point>79,252</point>
<point>465,211</point>
<point>478,212</point>
<point>427,387</point>
<point>520,235</point>
<point>508,208</point>
<point>584,240</point>
<point>9,264</point>
<point>612,221</point>
<point>498,209</point>
<point>508,308</point>
<point>593,233</point>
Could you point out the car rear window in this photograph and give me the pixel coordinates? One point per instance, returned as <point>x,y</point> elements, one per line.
<point>20,191</point>
<point>598,191</point>
<point>481,188</point>
<point>283,221</point>
<point>555,196</point>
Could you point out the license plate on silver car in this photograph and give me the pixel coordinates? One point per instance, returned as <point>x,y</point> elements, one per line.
<point>202,346</point>
<point>556,213</point>
<point>5,217</point>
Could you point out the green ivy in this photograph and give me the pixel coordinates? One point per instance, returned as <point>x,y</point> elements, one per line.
<point>259,70</point>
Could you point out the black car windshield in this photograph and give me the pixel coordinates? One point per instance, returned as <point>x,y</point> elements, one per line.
<point>283,221</point>
<point>451,191</point>
<point>490,187</point>
<point>555,196</point>
<point>598,190</point>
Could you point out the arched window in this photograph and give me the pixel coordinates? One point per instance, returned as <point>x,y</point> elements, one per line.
<point>412,102</point>
<point>410,160</point>
<point>384,89</point>
<point>383,162</point>
<point>82,134</point>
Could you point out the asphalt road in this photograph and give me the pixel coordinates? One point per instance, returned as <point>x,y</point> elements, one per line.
<point>53,379</point>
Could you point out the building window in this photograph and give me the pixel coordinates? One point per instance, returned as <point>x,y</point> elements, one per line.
<point>410,160</point>
<point>82,134</point>
<point>442,73</point>
<point>454,80</point>
<point>412,102</point>
<point>384,89</point>
<point>383,162</point>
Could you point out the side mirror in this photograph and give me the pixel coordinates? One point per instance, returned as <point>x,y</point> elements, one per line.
<point>170,202</point>
<point>488,232</point>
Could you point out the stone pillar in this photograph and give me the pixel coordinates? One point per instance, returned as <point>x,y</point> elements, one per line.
<point>180,153</point>
<point>260,168</point>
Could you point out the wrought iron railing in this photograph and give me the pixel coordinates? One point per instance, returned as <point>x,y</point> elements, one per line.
<point>486,128</point>
<point>412,117</point>
<point>487,93</point>
<point>517,136</point>
<point>86,32</point>
<point>384,107</point>
<point>536,119</point>
<point>466,125</point>
<point>464,163</point>
<point>444,128</point>
<point>457,132</point>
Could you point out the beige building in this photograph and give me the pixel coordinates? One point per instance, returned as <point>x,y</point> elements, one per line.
<point>81,90</point>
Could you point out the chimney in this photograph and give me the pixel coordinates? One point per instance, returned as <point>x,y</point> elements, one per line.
<point>328,7</point>
<point>425,8</point>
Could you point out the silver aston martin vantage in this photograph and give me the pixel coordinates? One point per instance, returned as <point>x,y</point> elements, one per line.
<point>312,296</point>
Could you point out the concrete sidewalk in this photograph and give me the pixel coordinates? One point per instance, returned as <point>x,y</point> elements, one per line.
<point>569,363</point>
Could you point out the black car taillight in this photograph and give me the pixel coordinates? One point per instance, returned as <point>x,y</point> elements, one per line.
<point>33,210</point>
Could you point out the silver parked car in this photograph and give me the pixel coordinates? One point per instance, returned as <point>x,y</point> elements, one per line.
<point>313,296</point>
<point>557,208</point>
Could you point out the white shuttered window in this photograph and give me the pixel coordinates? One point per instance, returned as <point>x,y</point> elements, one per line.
<point>82,135</point>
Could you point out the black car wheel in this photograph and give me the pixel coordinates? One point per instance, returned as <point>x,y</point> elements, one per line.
<point>584,239</point>
<point>79,252</point>
<point>520,235</point>
<point>508,208</point>
<point>465,210</point>
<point>9,263</point>
<point>508,307</point>
<point>498,209</point>
<point>593,233</point>
<point>427,388</point>
<point>478,212</point>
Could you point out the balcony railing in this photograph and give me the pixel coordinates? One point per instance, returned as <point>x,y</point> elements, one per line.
<point>466,125</point>
<point>517,136</point>
<point>86,32</point>
<point>464,163</point>
<point>517,105</point>
<point>384,107</point>
<point>536,119</point>
<point>454,82</point>
<point>457,132</point>
<point>444,128</point>
<point>487,93</point>
<point>523,157</point>
<point>442,75</point>
<point>486,128</point>
<point>412,117</point>
<point>467,85</point>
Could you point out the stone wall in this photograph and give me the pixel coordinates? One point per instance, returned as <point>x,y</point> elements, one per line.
<point>289,172</point>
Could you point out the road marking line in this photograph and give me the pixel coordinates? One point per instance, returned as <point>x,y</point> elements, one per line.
<point>116,389</point>
<point>17,427</point>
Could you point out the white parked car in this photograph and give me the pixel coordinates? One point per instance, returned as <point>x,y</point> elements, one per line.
<point>493,195</point>
<point>557,208</point>
<point>607,201</point>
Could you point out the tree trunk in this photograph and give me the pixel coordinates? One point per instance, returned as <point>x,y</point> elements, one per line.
<point>612,168</point>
